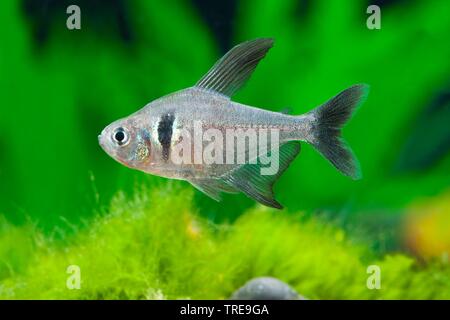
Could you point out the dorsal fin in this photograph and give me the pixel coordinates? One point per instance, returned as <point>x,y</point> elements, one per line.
<point>235,67</point>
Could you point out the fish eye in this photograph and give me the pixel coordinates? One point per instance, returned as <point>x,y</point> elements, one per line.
<point>120,136</point>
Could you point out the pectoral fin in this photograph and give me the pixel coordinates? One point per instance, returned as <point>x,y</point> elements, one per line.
<point>248,179</point>
<point>235,67</point>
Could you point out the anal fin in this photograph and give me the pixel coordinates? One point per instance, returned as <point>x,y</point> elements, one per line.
<point>249,180</point>
<point>212,187</point>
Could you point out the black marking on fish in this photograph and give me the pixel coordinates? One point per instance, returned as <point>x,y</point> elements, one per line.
<point>165,131</point>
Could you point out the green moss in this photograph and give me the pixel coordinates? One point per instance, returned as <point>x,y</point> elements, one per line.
<point>156,246</point>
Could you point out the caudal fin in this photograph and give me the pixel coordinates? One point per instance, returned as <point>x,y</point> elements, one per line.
<point>329,119</point>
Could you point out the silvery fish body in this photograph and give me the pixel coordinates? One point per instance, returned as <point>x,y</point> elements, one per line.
<point>200,135</point>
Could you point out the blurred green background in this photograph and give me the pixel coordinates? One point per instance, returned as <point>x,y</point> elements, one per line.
<point>59,88</point>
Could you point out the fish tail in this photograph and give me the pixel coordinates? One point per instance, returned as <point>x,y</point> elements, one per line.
<point>329,119</point>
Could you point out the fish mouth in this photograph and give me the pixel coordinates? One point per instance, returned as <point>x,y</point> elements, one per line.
<point>100,141</point>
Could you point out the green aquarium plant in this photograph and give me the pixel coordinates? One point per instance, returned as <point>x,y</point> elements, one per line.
<point>156,246</point>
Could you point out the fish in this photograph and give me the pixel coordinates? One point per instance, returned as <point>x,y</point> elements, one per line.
<point>172,136</point>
